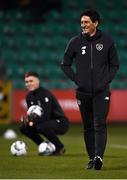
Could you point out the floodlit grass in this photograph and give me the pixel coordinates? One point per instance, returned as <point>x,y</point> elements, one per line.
<point>72,164</point>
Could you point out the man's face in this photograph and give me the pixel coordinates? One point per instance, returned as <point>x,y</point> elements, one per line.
<point>32,83</point>
<point>88,26</point>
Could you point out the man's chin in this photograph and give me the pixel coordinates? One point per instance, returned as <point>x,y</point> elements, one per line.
<point>31,89</point>
<point>85,32</point>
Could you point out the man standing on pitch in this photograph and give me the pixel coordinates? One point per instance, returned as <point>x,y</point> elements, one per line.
<point>94,54</point>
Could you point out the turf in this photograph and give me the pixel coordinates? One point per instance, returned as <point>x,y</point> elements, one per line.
<point>69,166</point>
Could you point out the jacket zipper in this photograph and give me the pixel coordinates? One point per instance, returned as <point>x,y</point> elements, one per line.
<point>91,56</point>
<point>92,68</point>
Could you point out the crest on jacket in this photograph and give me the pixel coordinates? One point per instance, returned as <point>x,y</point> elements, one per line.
<point>99,47</point>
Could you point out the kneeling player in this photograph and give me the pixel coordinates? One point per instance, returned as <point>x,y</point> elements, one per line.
<point>44,116</point>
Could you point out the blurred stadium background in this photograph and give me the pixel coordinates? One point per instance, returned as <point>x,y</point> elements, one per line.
<point>33,37</point>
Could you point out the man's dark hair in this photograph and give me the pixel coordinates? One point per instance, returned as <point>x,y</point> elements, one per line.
<point>93,14</point>
<point>32,74</point>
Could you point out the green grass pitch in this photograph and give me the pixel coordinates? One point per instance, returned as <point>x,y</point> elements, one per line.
<point>69,166</point>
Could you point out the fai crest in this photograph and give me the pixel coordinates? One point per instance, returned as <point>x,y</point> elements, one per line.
<point>99,47</point>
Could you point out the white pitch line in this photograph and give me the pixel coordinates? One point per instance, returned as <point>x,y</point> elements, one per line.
<point>119,146</point>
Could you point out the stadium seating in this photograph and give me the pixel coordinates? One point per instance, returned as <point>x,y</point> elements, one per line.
<point>40,46</point>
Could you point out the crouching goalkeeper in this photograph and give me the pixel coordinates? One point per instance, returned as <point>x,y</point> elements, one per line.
<point>44,116</point>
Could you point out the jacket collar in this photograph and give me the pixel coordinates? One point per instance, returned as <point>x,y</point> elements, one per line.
<point>93,38</point>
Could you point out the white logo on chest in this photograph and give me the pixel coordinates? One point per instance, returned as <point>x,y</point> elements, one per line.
<point>83,50</point>
<point>46,99</point>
